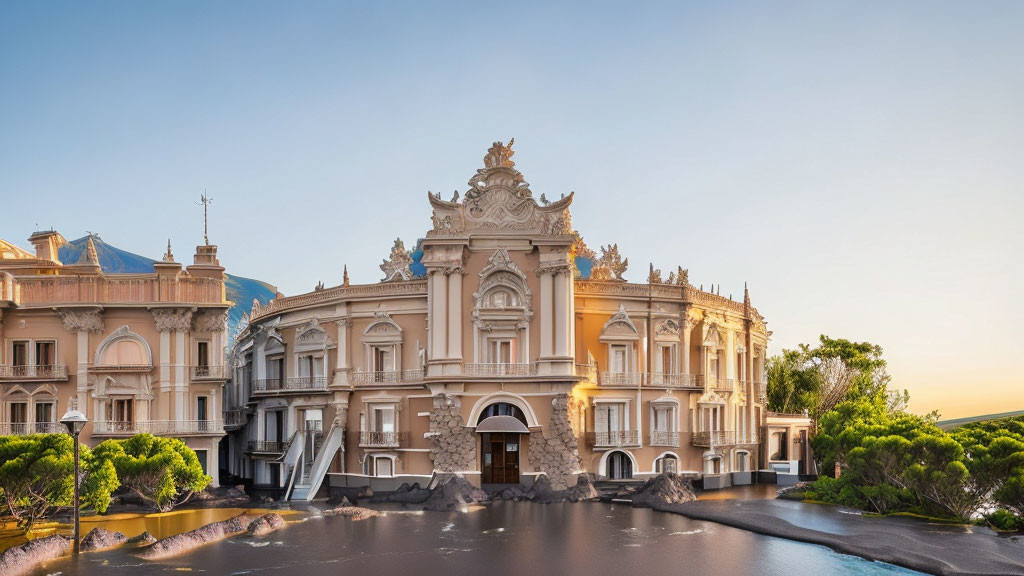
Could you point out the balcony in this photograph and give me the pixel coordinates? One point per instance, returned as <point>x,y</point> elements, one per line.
<point>663,438</point>
<point>622,379</point>
<point>21,373</point>
<point>282,386</point>
<point>45,291</point>
<point>23,428</point>
<point>613,439</point>
<point>134,368</point>
<point>369,439</point>
<point>762,392</point>
<point>499,369</point>
<point>683,381</point>
<point>235,418</point>
<point>711,438</point>
<point>387,377</point>
<point>266,447</point>
<point>712,383</point>
<point>158,428</point>
<point>209,372</point>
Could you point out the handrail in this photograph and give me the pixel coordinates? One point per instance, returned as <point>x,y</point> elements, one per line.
<point>291,483</point>
<point>137,289</point>
<point>321,461</point>
<point>41,371</point>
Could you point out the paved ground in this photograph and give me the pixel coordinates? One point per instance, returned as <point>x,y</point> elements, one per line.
<point>920,545</point>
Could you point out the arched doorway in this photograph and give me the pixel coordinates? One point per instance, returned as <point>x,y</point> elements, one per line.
<point>500,426</point>
<point>619,466</point>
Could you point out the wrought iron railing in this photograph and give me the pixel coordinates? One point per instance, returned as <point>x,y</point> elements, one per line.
<point>388,376</point>
<point>663,438</point>
<point>627,379</point>
<point>296,384</point>
<point>673,380</point>
<point>266,446</point>
<point>22,428</point>
<point>499,369</point>
<point>157,427</point>
<point>709,438</point>
<point>235,418</point>
<point>43,372</point>
<point>49,290</point>
<point>372,439</point>
<point>613,438</point>
<point>211,372</point>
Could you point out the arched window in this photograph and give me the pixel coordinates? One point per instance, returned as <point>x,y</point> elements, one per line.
<point>667,463</point>
<point>502,409</point>
<point>619,466</point>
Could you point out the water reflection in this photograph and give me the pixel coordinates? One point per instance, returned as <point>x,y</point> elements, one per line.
<point>503,539</point>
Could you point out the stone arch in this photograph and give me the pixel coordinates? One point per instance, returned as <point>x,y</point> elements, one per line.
<point>602,464</point>
<point>123,335</point>
<point>669,453</point>
<point>498,397</point>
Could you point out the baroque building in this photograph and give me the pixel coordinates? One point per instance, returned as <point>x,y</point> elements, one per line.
<point>134,352</point>
<point>500,347</point>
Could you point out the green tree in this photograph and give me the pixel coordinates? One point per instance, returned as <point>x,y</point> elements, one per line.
<point>163,472</point>
<point>37,475</point>
<point>994,456</point>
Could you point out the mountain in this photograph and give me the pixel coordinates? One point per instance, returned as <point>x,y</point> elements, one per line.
<point>950,424</point>
<point>113,260</point>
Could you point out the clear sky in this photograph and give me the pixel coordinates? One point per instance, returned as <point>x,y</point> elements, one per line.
<point>860,164</point>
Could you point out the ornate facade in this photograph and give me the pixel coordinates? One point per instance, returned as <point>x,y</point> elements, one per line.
<point>134,352</point>
<point>501,348</point>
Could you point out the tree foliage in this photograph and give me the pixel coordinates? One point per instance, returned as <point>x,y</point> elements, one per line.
<point>819,378</point>
<point>163,472</point>
<point>37,475</point>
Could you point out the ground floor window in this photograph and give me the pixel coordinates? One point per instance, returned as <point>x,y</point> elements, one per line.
<point>778,445</point>
<point>381,466</point>
<point>619,466</point>
<point>666,464</point>
<point>201,455</point>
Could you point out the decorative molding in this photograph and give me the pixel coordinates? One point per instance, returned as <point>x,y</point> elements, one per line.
<point>668,328</point>
<point>611,265</point>
<point>396,266</point>
<point>82,320</point>
<point>210,321</point>
<point>620,318</point>
<point>167,319</point>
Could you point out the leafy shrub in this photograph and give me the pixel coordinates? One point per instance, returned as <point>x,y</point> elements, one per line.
<point>1003,519</point>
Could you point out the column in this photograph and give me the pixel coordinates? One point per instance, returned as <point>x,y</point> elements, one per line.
<point>180,382</point>
<point>438,319</point>
<point>165,376</point>
<point>730,355</point>
<point>686,343</point>
<point>546,306</point>
<point>454,313</point>
<point>561,313</point>
<point>82,378</point>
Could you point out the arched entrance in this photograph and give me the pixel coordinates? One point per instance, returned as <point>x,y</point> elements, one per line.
<point>500,426</point>
<point>619,466</point>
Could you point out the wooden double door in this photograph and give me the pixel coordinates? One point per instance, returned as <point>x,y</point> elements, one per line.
<point>499,454</point>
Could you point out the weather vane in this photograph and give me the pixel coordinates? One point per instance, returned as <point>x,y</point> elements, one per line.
<point>205,201</point>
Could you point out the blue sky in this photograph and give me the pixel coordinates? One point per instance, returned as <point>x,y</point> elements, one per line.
<point>858,163</point>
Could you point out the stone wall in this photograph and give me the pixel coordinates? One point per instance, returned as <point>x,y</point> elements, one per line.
<point>556,453</point>
<point>452,445</point>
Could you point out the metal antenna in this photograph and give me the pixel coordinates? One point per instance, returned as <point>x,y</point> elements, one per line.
<point>205,201</point>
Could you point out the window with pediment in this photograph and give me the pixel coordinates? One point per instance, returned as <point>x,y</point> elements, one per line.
<point>502,312</point>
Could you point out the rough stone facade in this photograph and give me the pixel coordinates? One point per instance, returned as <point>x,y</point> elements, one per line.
<point>452,445</point>
<point>556,453</point>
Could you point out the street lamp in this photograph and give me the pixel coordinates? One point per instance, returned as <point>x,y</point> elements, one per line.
<point>75,422</point>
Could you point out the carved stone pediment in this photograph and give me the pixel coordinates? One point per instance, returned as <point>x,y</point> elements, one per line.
<point>82,320</point>
<point>312,334</point>
<point>498,199</point>
<point>396,266</point>
<point>619,326</point>
<point>668,328</point>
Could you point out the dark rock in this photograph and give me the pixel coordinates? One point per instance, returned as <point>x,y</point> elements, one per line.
<point>101,539</point>
<point>543,492</point>
<point>23,559</point>
<point>265,524</point>
<point>405,494</point>
<point>664,488</point>
<point>196,538</point>
<point>143,539</point>
<point>453,493</point>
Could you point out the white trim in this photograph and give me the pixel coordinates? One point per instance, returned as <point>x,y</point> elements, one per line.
<point>123,333</point>
<point>497,397</point>
<point>602,463</point>
<point>654,463</point>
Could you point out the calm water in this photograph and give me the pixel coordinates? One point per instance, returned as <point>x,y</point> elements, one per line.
<point>502,539</point>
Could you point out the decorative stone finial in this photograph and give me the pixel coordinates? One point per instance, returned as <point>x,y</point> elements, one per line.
<point>396,267</point>
<point>654,276</point>
<point>168,256</point>
<point>344,276</point>
<point>89,256</point>
<point>500,155</point>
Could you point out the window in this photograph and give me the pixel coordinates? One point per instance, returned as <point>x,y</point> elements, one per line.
<point>501,351</point>
<point>384,419</point>
<point>666,360</point>
<point>19,357</point>
<point>201,413</point>
<point>666,464</point>
<point>45,353</point>
<point>383,358</point>
<point>664,418</point>
<point>619,357</point>
<point>619,466</point>
<point>610,418</point>
<point>44,412</point>
<point>19,412</point>
<point>778,446</point>
<point>203,354</point>
<point>275,368</point>
<point>121,411</point>
<point>311,366</point>
<point>379,466</point>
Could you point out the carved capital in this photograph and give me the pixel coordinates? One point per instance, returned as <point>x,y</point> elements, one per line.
<point>82,320</point>
<point>210,321</point>
<point>168,319</point>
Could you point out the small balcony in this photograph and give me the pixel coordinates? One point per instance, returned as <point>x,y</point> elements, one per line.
<point>622,379</point>
<point>387,377</point>
<point>286,385</point>
<point>717,384</point>
<point>663,438</point>
<point>762,392</point>
<point>133,368</point>
<point>711,438</point>
<point>681,381</point>
<point>158,428</point>
<point>266,447</point>
<point>209,372</point>
<point>44,372</point>
<point>613,439</point>
<point>499,369</point>
<point>370,439</point>
<point>23,428</point>
<point>235,418</point>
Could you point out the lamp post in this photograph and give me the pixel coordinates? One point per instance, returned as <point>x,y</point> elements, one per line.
<point>75,422</point>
